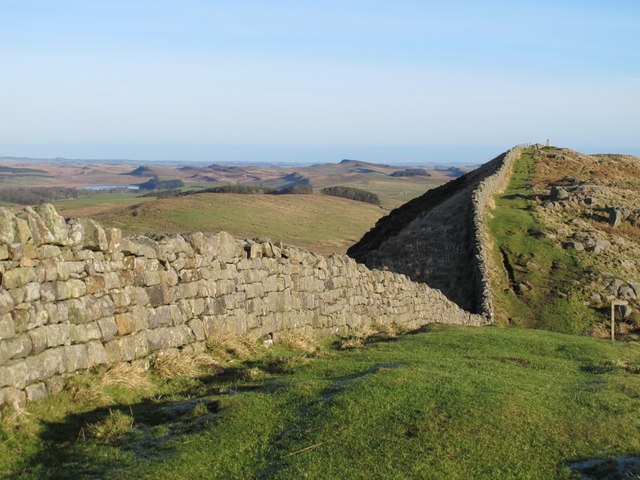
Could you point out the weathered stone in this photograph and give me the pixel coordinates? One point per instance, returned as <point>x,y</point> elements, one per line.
<point>7,326</point>
<point>108,328</point>
<point>36,392</point>
<point>221,246</point>
<point>84,333</point>
<point>572,245</point>
<point>54,223</point>
<point>120,298</point>
<point>97,307</point>
<point>7,226</point>
<point>6,302</point>
<point>13,397</point>
<point>616,216</point>
<point>94,284</point>
<point>39,231</point>
<point>114,239</point>
<point>140,246</point>
<point>93,235</point>
<point>160,295</point>
<point>97,354</point>
<point>54,384</point>
<point>18,277</point>
<point>75,358</point>
<point>125,323</point>
<point>625,292</point>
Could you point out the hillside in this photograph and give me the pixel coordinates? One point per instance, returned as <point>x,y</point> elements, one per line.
<point>565,237</point>
<point>567,242</point>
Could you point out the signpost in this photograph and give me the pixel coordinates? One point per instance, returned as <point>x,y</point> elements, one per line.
<point>614,304</point>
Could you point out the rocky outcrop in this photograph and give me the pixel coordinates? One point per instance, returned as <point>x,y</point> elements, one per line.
<point>74,295</point>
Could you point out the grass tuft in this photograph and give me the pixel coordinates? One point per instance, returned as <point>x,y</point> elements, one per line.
<point>93,386</point>
<point>116,426</point>
<point>297,341</point>
<point>232,346</point>
<point>182,364</point>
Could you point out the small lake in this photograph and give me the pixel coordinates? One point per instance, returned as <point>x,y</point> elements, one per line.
<point>110,187</point>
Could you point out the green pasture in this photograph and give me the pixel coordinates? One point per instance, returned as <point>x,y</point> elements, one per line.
<point>441,403</point>
<point>320,223</point>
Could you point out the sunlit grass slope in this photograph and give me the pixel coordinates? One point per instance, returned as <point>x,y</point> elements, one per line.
<point>444,403</point>
<point>319,223</point>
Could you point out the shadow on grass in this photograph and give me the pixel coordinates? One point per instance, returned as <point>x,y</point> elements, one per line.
<point>613,468</point>
<point>305,429</point>
<point>112,438</point>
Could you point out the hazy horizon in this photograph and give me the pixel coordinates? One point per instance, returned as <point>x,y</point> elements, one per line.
<point>259,155</point>
<point>407,81</point>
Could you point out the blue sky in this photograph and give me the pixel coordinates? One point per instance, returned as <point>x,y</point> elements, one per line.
<point>401,81</point>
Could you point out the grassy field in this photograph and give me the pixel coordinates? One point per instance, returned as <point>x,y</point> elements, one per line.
<point>319,223</point>
<point>442,403</point>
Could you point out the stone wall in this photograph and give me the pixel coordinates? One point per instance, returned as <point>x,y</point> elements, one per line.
<point>74,295</point>
<point>439,238</point>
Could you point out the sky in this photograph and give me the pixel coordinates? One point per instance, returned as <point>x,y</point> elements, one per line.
<point>406,81</point>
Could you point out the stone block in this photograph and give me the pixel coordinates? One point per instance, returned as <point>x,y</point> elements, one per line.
<point>96,353</point>
<point>55,384</point>
<point>36,392</point>
<point>75,358</point>
<point>160,295</point>
<point>125,323</point>
<point>108,328</point>
<point>54,223</point>
<point>92,233</point>
<point>7,326</point>
<point>6,302</point>
<point>40,234</point>
<point>120,298</point>
<point>18,277</point>
<point>84,333</point>
<point>131,347</point>
<point>7,226</point>
<point>197,328</point>
<point>14,374</point>
<point>160,316</point>
<point>13,397</point>
<point>76,311</point>
<point>94,284</point>
<point>112,280</point>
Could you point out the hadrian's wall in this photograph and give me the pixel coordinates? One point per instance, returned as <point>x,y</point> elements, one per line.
<point>74,295</point>
<point>439,238</point>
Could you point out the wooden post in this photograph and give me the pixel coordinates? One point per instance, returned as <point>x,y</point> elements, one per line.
<point>614,304</point>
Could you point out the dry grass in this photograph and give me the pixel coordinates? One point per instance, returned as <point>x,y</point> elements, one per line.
<point>297,341</point>
<point>232,346</point>
<point>91,386</point>
<point>181,364</point>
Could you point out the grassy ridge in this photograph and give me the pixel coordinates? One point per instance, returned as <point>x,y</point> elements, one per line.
<point>444,403</point>
<point>538,283</point>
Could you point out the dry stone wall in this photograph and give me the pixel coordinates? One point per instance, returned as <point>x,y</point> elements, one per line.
<point>74,295</point>
<point>439,238</point>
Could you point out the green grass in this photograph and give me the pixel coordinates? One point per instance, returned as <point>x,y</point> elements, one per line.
<point>443,403</point>
<point>97,199</point>
<point>320,223</point>
<point>540,283</point>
